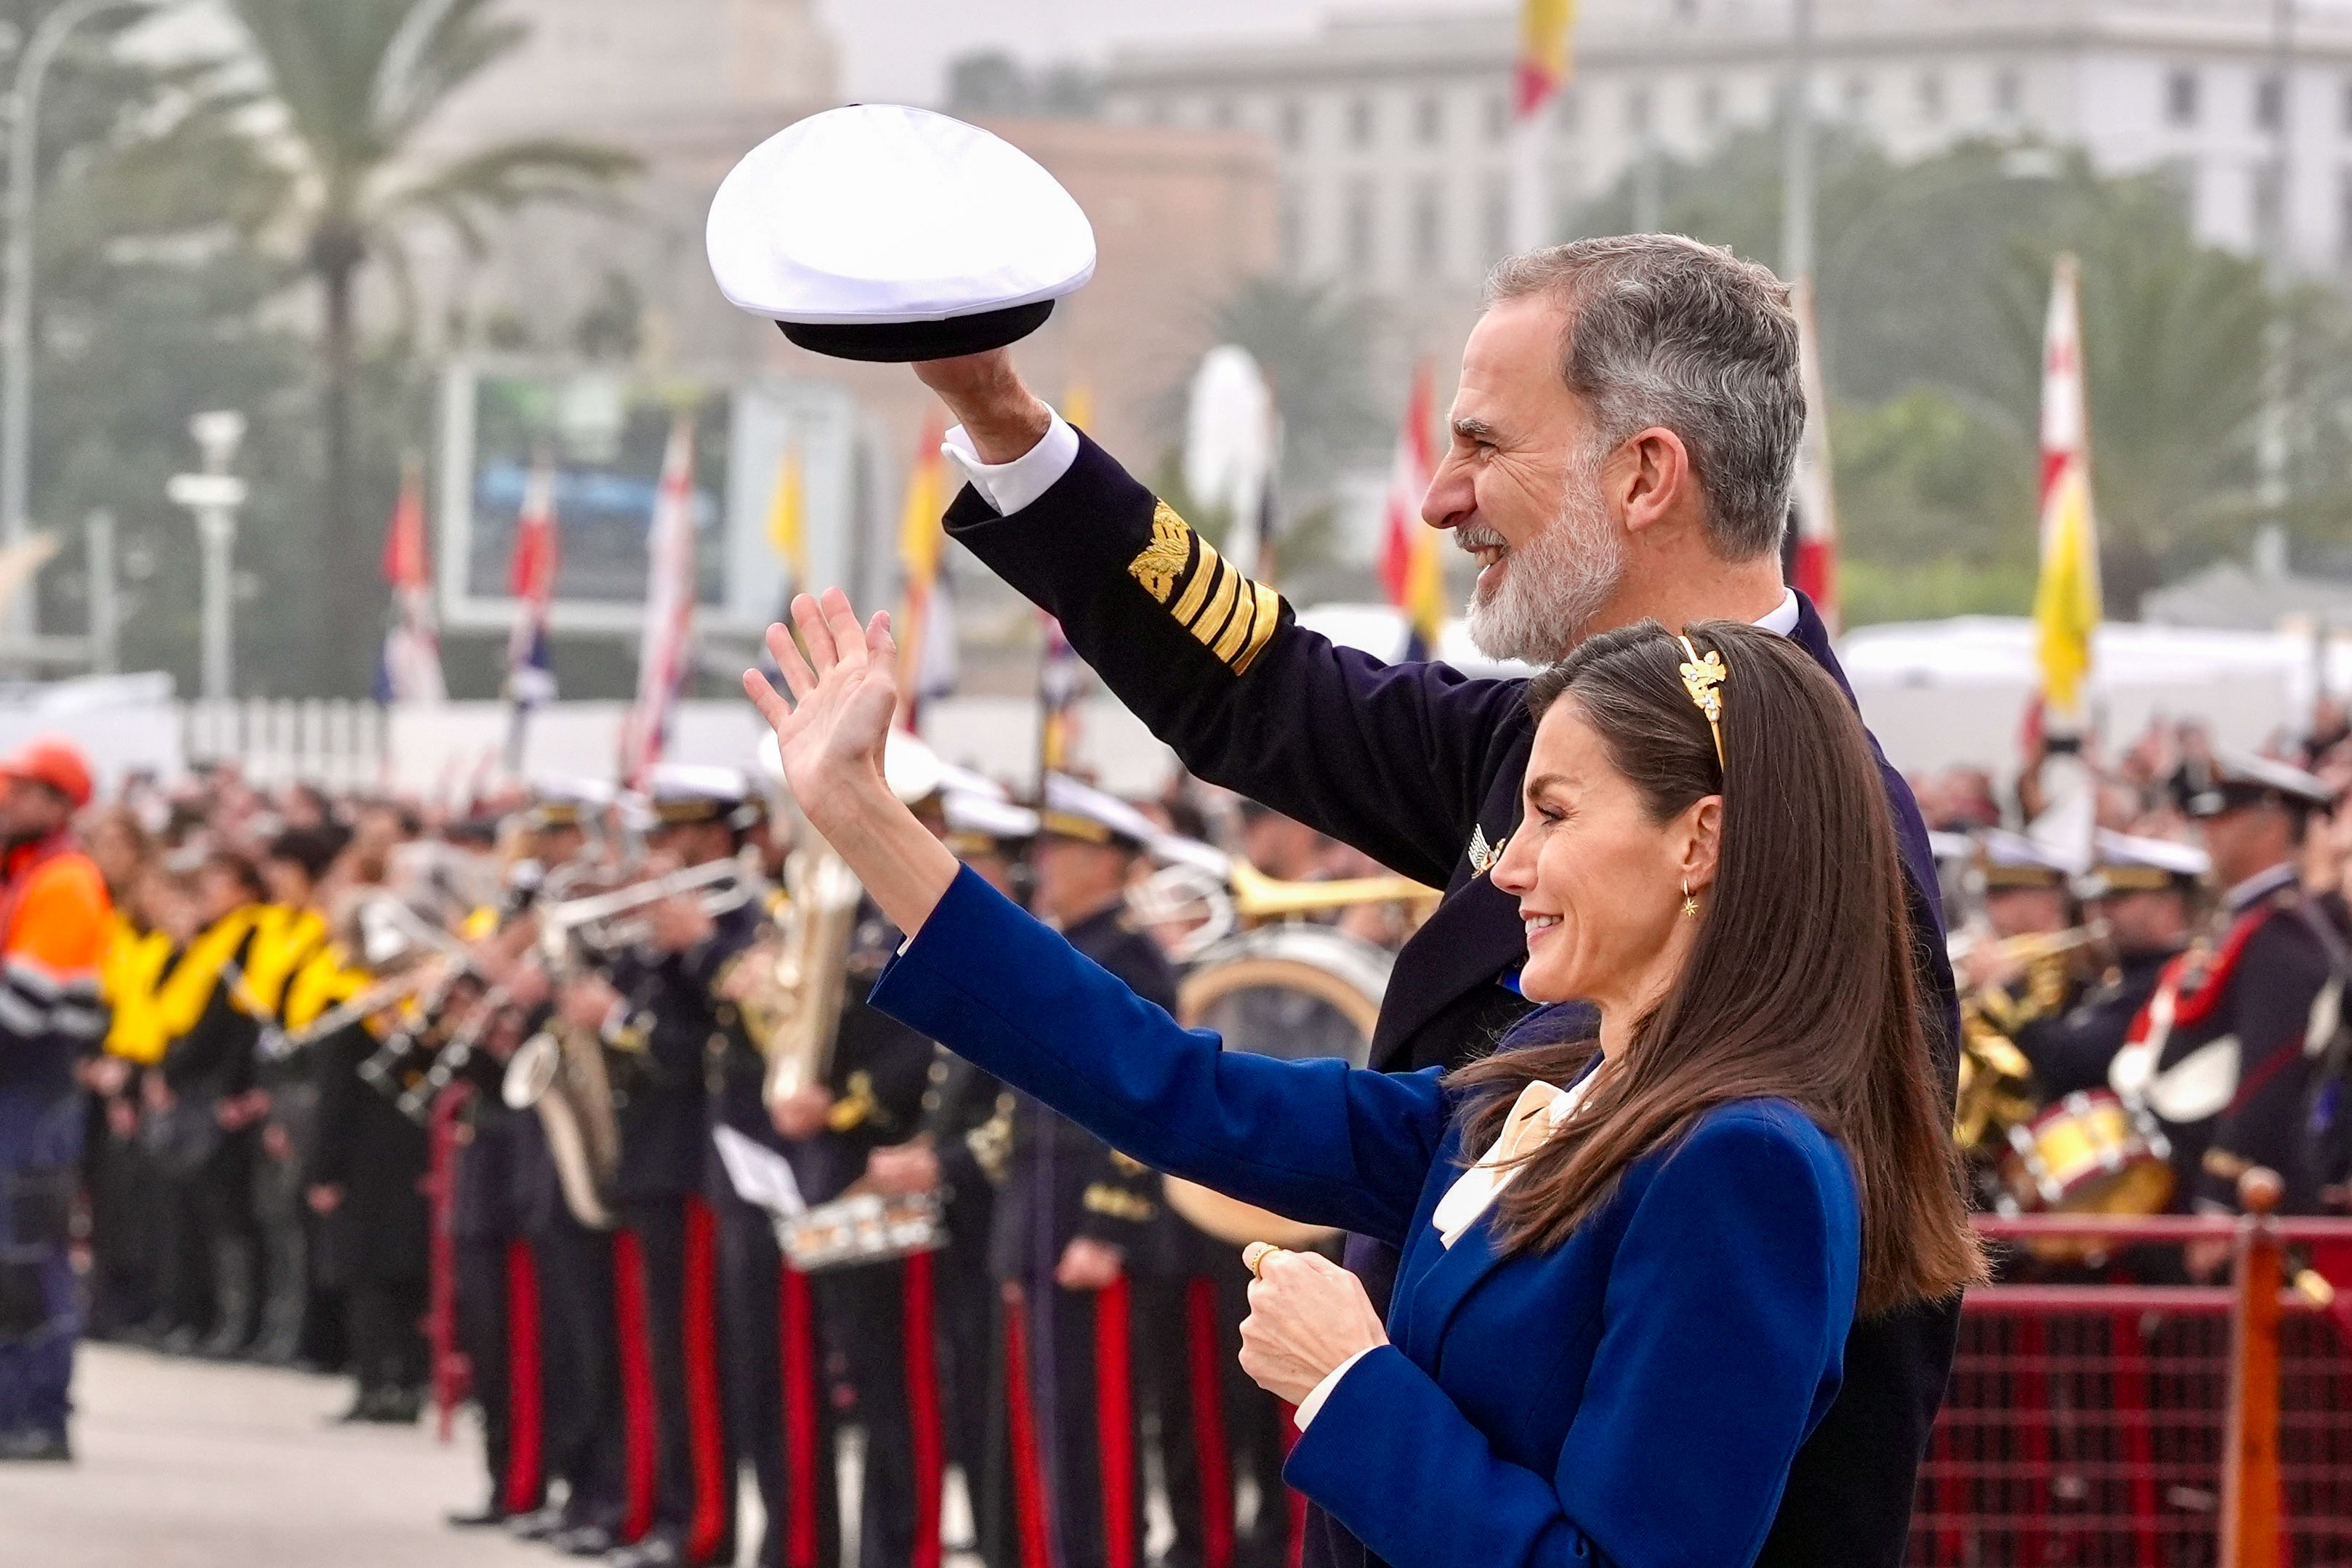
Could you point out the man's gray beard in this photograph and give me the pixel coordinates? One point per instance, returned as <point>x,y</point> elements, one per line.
<point>1554,585</point>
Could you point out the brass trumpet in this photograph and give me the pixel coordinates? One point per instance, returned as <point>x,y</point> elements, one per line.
<point>1228,893</point>
<point>601,920</point>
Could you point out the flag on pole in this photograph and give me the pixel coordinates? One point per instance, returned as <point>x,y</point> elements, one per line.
<point>788,521</point>
<point>1544,29</point>
<point>409,669</point>
<point>663,654</point>
<point>531,577</point>
<point>925,629</point>
<point>2067,601</point>
<point>1544,63</point>
<point>1412,565</point>
<point>1816,493</point>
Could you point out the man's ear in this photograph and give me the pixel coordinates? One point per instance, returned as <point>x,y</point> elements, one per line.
<point>1648,478</point>
<point>1703,841</point>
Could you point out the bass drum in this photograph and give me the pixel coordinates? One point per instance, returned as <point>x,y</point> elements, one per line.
<point>1289,991</point>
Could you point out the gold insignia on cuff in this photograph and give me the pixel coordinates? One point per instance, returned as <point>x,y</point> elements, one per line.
<point>1164,559</point>
<point>1117,1203</point>
<point>1227,613</point>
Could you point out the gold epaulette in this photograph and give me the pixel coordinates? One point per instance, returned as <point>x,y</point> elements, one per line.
<point>857,1107</point>
<point>1227,613</point>
<point>1117,1203</point>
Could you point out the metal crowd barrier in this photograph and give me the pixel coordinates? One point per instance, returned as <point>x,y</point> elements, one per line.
<point>2161,1425</point>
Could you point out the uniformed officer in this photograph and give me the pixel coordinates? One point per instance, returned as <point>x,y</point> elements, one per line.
<point>1075,1225</point>
<point>2025,893</point>
<point>2220,1052</point>
<point>54,926</point>
<point>658,1011</point>
<point>2144,892</point>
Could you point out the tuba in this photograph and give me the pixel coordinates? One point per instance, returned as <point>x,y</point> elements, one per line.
<point>561,1073</point>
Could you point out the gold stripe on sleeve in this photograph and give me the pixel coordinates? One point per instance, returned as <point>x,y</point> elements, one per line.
<point>1237,630</point>
<point>1220,604</point>
<point>1269,616</point>
<point>1206,568</point>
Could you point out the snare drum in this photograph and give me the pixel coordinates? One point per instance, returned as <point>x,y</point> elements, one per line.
<point>863,1227</point>
<point>2089,1154</point>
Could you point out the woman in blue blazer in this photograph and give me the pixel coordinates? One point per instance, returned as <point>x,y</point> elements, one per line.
<point>1629,1261</point>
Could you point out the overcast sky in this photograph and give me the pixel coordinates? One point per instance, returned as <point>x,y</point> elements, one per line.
<point>898,49</point>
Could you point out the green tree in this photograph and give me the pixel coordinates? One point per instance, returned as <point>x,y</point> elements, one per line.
<point>355,82</point>
<point>1312,343</point>
<point>1936,275</point>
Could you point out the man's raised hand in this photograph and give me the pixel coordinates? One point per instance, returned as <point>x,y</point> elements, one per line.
<point>845,693</point>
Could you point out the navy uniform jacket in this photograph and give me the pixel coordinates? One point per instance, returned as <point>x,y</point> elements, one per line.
<point>2072,1051</point>
<point>1062,1182</point>
<point>1635,1396</point>
<point>660,1090</point>
<point>2257,987</point>
<point>1420,768</point>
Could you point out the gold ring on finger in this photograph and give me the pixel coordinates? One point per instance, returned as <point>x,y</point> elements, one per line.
<point>1255,1255</point>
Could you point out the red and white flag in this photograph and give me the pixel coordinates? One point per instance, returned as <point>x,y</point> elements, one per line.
<point>410,670</point>
<point>1412,566</point>
<point>531,577</point>
<point>664,655</point>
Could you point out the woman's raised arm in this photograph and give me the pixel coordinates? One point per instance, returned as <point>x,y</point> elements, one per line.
<point>1316,1141</point>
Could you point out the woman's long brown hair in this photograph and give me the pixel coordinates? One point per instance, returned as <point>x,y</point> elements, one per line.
<point>1800,986</point>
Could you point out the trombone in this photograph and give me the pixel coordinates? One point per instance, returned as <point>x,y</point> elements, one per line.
<point>1227,893</point>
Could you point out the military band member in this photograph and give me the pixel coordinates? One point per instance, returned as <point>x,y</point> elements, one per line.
<point>1075,1224</point>
<point>2146,893</point>
<point>2224,1034</point>
<point>2025,893</point>
<point>657,1010</point>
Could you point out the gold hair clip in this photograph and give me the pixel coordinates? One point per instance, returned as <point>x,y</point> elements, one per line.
<point>1701,679</point>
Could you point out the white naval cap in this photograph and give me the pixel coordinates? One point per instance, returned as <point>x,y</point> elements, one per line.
<point>880,232</point>
<point>1076,810</point>
<point>976,821</point>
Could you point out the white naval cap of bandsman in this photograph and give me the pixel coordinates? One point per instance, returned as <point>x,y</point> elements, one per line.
<point>676,793</point>
<point>2127,862</point>
<point>880,232</point>
<point>1073,809</point>
<point>2240,778</point>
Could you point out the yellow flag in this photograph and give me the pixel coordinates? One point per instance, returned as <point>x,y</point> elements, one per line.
<point>1544,29</point>
<point>788,520</point>
<point>2067,600</point>
<point>920,541</point>
<point>1078,406</point>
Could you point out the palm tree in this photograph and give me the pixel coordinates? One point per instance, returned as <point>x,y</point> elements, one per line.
<point>354,82</point>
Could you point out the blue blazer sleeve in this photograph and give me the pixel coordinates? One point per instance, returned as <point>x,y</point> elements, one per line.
<point>1317,1142</point>
<point>1395,759</point>
<point>1723,1325</point>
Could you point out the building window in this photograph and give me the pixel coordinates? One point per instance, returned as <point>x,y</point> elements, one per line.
<point>1931,96</point>
<point>2180,97</point>
<point>1497,216</point>
<point>1429,118</point>
<point>1360,228</point>
<point>2270,102</point>
<point>1637,111</point>
<point>1428,230</point>
<point>1710,104</point>
<point>1359,123</point>
<point>1499,116</point>
<point>1293,124</point>
<point>1857,96</point>
<point>2008,91</point>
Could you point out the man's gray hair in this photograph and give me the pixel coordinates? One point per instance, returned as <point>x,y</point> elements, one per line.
<point>1665,331</point>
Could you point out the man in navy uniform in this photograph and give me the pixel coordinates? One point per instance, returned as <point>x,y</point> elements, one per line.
<point>658,1013</point>
<point>2144,891</point>
<point>1623,440</point>
<point>1075,1222</point>
<point>2226,1031</point>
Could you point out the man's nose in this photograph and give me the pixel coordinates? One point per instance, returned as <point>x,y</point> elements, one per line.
<point>1451,495</point>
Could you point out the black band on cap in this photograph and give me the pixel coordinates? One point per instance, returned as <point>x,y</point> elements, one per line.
<point>904,342</point>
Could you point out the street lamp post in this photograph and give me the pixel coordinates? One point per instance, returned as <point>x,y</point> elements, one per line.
<point>213,496</point>
<point>24,110</point>
<point>1797,148</point>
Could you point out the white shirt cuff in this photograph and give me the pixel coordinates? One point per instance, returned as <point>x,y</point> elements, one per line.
<point>1012,487</point>
<point>1322,1391</point>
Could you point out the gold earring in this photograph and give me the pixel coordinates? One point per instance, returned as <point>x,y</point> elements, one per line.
<point>1690,905</point>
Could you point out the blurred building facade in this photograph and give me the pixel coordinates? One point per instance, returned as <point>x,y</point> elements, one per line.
<point>1394,129</point>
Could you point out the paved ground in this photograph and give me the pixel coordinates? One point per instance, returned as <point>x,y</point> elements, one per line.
<point>186,1465</point>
